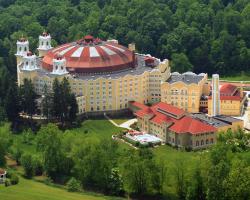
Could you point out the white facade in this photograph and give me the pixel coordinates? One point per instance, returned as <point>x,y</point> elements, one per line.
<point>59,66</point>
<point>44,44</point>
<point>29,62</point>
<point>22,47</point>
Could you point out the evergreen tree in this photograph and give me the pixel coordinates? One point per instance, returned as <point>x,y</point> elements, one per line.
<point>28,97</point>
<point>57,99</point>
<point>73,108</point>
<point>12,103</point>
<point>47,103</point>
<point>65,99</point>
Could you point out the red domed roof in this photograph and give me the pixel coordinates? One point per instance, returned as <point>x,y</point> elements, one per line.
<point>91,55</point>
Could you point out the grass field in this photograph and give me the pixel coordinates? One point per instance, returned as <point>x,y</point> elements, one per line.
<point>33,190</point>
<point>236,77</point>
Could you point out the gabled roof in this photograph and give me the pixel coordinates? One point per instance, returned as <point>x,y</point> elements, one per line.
<point>227,89</point>
<point>169,108</point>
<point>181,124</point>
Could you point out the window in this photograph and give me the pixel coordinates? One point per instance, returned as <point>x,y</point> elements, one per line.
<point>211,140</point>
<point>207,141</point>
<point>197,143</point>
<point>202,142</point>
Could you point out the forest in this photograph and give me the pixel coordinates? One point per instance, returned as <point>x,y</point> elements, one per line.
<point>210,36</point>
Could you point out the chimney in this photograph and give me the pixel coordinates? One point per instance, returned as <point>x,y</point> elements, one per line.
<point>215,95</point>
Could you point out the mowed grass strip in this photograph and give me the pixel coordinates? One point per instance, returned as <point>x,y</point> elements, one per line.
<point>33,190</point>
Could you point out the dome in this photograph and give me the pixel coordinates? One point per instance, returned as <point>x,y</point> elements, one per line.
<point>91,55</point>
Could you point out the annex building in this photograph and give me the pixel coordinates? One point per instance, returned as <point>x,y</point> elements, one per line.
<point>173,125</point>
<point>178,128</point>
<point>103,75</point>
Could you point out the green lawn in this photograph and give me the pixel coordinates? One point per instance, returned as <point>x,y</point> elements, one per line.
<point>236,77</point>
<point>33,190</point>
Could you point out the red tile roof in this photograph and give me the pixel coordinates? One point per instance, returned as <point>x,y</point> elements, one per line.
<point>92,55</point>
<point>227,89</point>
<point>138,105</point>
<point>184,124</point>
<point>169,108</point>
<point>190,125</point>
<point>229,92</point>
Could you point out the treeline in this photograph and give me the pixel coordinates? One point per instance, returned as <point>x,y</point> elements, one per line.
<point>59,103</point>
<point>200,35</point>
<point>101,165</point>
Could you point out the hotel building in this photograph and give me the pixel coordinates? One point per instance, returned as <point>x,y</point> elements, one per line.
<point>103,75</point>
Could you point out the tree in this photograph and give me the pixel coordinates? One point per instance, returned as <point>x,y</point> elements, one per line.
<point>180,178</point>
<point>73,185</point>
<point>181,63</point>
<point>49,144</point>
<point>28,97</point>
<point>12,103</point>
<point>4,143</point>
<point>26,162</point>
<point>115,183</point>
<point>218,171</point>
<point>196,189</point>
<point>73,108</point>
<point>159,176</point>
<point>65,100</point>
<point>47,103</point>
<point>136,170</point>
<point>2,154</point>
<point>16,152</point>
<point>239,175</point>
<point>56,106</point>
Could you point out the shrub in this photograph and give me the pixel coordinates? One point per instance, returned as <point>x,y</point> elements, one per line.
<point>73,185</point>
<point>37,165</point>
<point>48,181</point>
<point>26,161</point>
<point>14,179</point>
<point>16,153</point>
<point>7,183</point>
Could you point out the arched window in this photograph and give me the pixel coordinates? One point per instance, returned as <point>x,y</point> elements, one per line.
<point>20,48</point>
<point>25,48</point>
<point>56,67</point>
<point>42,43</point>
<point>47,43</point>
<point>207,141</point>
<point>61,67</point>
<point>27,63</point>
<point>202,142</point>
<point>197,143</point>
<point>211,140</point>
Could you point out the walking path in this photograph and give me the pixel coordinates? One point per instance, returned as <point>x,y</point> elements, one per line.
<point>126,124</point>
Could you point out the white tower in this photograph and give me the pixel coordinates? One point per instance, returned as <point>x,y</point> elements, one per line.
<point>59,66</point>
<point>29,62</point>
<point>44,44</point>
<point>22,49</point>
<point>215,95</point>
